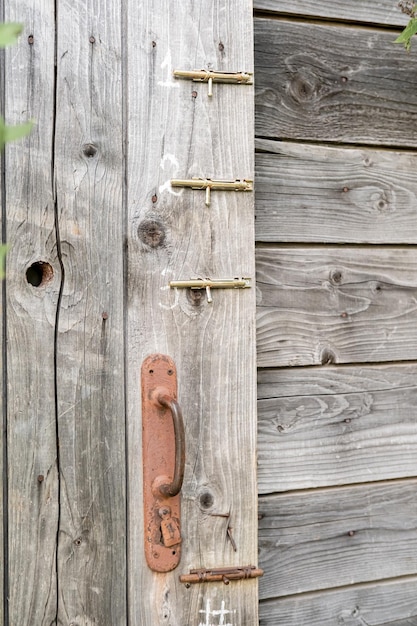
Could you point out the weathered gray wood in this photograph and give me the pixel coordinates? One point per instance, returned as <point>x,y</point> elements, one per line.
<point>334,537</point>
<point>89,177</point>
<point>31,430</point>
<point>333,84</point>
<point>176,131</point>
<point>334,426</point>
<point>382,604</point>
<point>385,12</point>
<point>325,194</point>
<point>336,304</point>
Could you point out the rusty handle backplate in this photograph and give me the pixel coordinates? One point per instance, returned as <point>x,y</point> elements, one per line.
<point>163,462</point>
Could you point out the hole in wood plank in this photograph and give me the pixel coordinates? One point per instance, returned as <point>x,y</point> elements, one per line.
<point>39,274</point>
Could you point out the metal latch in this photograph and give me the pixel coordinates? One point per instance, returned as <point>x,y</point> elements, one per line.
<point>163,445</point>
<point>208,184</point>
<point>220,574</point>
<point>212,76</point>
<point>208,284</point>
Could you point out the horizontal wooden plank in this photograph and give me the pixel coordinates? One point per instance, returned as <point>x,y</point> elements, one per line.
<point>384,12</point>
<point>334,84</point>
<point>336,304</point>
<point>334,537</point>
<point>381,604</point>
<point>326,194</point>
<point>328,426</point>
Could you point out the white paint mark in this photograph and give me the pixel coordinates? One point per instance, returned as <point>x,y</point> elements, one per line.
<point>172,159</point>
<point>169,307</point>
<point>170,81</point>
<point>216,613</point>
<point>167,187</point>
<point>167,270</point>
<point>175,167</point>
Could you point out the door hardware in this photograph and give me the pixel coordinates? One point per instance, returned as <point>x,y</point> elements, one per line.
<point>170,529</point>
<point>220,574</point>
<point>208,284</point>
<point>209,184</point>
<point>211,76</point>
<point>163,462</point>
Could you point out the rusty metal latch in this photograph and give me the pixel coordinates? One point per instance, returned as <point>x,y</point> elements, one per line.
<point>239,184</point>
<point>220,574</point>
<point>212,76</point>
<point>163,462</point>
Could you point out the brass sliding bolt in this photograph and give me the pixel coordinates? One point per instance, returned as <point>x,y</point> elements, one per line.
<point>208,284</point>
<point>209,184</point>
<point>211,76</point>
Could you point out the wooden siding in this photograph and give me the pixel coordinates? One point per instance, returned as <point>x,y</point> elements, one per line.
<point>392,603</point>
<point>336,426</point>
<point>339,537</point>
<point>336,267</point>
<point>365,196</point>
<point>333,84</point>
<point>383,12</point>
<point>331,304</point>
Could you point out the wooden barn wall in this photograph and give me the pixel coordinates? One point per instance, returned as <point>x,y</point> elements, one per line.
<point>336,228</point>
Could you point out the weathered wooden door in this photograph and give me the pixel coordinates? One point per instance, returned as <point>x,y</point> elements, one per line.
<point>96,234</point>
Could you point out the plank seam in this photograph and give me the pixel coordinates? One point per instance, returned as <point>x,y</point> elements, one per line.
<point>323,21</point>
<point>125,140</point>
<point>363,585</point>
<point>330,144</point>
<point>319,490</point>
<point>57,312</point>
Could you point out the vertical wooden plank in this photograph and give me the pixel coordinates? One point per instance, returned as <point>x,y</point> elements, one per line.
<point>176,131</point>
<point>89,176</point>
<point>3,403</point>
<point>31,305</point>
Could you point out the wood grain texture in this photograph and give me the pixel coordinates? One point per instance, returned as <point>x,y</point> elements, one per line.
<point>176,131</point>
<point>334,426</point>
<point>333,84</point>
<point>90,359</point>
<point>384,12</point>
<point>31,430</point>
<point>335,304</point>
<point>334,195</point>
<point>335,537</point>
<point>380,604</point>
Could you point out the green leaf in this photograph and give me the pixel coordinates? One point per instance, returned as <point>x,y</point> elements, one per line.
<point>9,33</point>
<point>3,250</point>
<point>11,133</point>
<point>408,32</point>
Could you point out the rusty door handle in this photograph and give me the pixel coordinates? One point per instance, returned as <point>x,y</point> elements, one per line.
<point>169,490</point>
<point>163,445</point>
